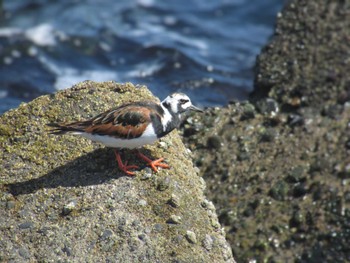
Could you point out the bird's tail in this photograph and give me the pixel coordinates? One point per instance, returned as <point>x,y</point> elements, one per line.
<point>58,128</point>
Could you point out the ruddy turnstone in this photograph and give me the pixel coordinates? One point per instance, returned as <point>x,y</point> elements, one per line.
<point>131,126</point>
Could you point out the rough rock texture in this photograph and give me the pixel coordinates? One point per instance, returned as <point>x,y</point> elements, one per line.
<point>307,63</point>
<point>281,188</point>
<point>281,180</point>
<point>62,199</point>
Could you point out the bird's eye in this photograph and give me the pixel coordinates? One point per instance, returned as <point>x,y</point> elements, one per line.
<point>183,101</point>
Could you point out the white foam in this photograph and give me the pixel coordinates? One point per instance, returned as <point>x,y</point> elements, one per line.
<point>145,3</point>
<point>3,94</point>
<point>10,31</point>
<point>69,76</point>
<point>41,35</point>
<point>144,70</point>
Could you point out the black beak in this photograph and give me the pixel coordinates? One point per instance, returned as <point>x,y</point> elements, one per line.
<point>194,108</point>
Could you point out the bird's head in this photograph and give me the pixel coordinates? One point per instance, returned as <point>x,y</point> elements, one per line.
<point>179,103</point>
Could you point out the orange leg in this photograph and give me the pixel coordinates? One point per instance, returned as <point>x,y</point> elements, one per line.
<point>153,163</point>
<point>124,166</point>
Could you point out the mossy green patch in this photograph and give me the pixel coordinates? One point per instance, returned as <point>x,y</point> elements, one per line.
<point>69,192</point>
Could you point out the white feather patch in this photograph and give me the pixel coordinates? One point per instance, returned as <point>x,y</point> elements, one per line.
<point>167,118</point>
<point>148,137</point>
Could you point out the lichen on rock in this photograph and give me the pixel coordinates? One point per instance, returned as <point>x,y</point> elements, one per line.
<point>63,197</point>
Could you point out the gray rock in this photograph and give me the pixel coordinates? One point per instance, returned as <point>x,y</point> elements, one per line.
<point>208,242</point>
<point>191,237</point>
<point>174,201</point>
<point>24,253</point>
<point>174,219</point>
<point>26,225</point>
<point>112,217</point>
<point>292,153</point>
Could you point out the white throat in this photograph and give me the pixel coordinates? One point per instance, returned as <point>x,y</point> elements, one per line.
<point>167,117</point>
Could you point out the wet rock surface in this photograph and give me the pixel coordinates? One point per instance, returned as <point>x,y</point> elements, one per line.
<point>307,61</point>
<point>278,168</point>
<point>63,199</point>
<point>282,199</point>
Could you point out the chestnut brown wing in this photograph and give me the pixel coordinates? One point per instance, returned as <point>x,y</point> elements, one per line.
<point>125,122</point>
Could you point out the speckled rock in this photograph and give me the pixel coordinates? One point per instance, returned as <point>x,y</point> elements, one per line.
<point>307,61</point>
<point>62,198</point>
<point>280,178</point>
<point>283,198</point>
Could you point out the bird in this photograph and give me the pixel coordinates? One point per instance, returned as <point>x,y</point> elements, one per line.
<point>131,126</point>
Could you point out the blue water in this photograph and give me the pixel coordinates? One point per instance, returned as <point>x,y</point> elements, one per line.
<point>205,48</point>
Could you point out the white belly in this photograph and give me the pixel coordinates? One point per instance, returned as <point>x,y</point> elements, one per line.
<point>148,137</point>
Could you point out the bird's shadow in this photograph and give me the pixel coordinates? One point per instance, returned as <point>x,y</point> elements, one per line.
<point>93,168</point>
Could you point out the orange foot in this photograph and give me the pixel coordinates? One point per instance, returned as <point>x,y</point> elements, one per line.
<point>124,166</point>
<point>153,163</point>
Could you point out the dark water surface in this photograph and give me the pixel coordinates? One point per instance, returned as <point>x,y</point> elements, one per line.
<point>204,48</point>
